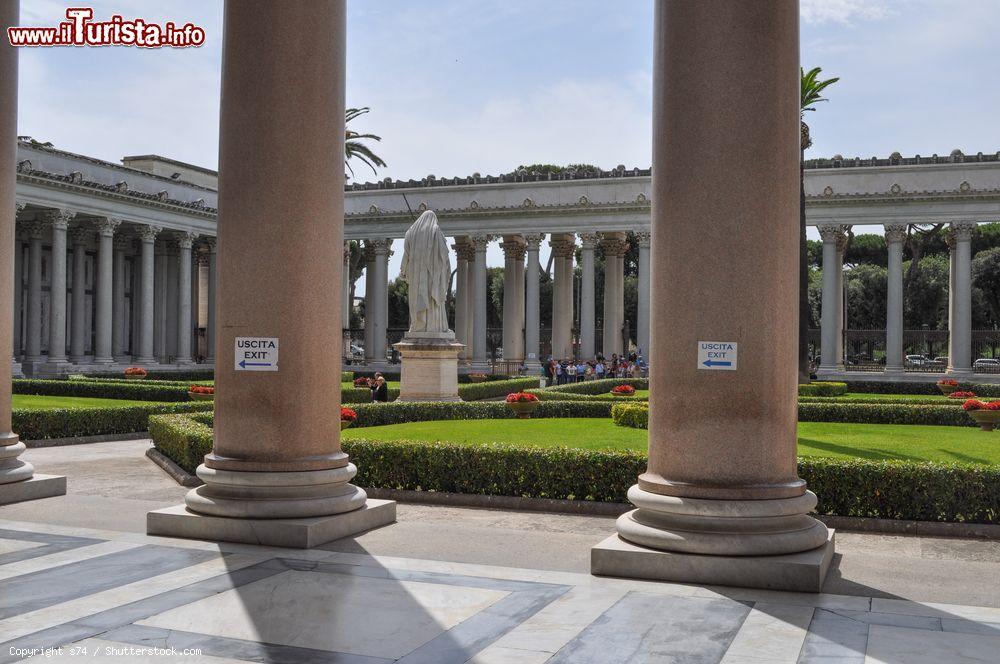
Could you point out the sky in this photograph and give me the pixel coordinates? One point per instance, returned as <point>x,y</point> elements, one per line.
<point>463,86</point>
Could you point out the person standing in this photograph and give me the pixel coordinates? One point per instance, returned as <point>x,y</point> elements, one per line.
<point>380,390</point>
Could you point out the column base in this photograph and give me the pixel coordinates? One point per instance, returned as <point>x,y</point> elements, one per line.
<point>300,533</point>
<point>429,369</point>
<point>960,373</point>
<point>15,369</point>
<point>55,369</point>
<point>801,572</point>
<point>830,369</point>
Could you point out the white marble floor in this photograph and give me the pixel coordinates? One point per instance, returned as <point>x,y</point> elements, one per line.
<point>68,593</point>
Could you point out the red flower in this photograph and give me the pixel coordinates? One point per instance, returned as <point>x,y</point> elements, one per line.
<point>974,404</point>
<point>991,405</point>
<point>521,397</point>
<point>135,371</point>
<point>948,382</point>
<point>201,389</point>
<point>625,390</point>
<point>361,382</point>
<point>961,395</point>
<point>346,414</point>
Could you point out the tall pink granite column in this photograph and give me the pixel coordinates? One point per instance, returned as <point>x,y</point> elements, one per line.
<point>17,479</point>
<point>277,459</point>
<point>721,494</point>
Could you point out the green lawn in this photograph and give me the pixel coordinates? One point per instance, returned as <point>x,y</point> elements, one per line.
<point>41,402</point>
<point>868,441</point>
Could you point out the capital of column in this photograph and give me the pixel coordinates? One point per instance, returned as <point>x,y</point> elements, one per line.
<point>211,243</point>
<point>534,241</point>
<point>35,229</point>
<point>201,257</point>
<point>833,232</point>
<point>122,242</point>
<point>643,238</point>
<point>589,240</point>
<point>107,226</point>
<point>613,244</point>
<point>148,233</point>
<point>380,246</point>
<point>480,242</point>
<point>963,230</point>
<point>79,235</point>
<point>58,219</point>
<point>563,246</point>
<point>185,240</point>
<point>464,250</point>
<point>895,233</point>
<point>513,247</point>
<point>347,252</point>
<point>19,207</point>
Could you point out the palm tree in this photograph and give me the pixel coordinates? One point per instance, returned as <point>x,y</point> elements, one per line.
<point>812,89</point>
<point>353,147</point>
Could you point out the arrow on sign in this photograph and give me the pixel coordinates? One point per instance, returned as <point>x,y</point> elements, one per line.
<point>717,363</point>
<point>244,364</point>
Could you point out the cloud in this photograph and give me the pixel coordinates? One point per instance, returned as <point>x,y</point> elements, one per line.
<point>842,11</point>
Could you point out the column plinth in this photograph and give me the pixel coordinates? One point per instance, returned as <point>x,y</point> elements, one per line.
<point>721,490</point>
<point>276,474</point>
<point>532,308</point>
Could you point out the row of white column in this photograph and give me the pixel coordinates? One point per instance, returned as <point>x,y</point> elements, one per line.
<point>959,239</point>
<point>521,302</point>
<point>165,302</point>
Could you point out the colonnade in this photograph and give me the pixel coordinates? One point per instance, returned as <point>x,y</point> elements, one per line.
<point>521,297</point>
<point>959,240</point>
<point>118,293</point>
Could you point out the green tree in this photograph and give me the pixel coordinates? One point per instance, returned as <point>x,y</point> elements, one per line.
<point>354,146</point>
<point>925,300</point>
<point>867,249</point>
<point>986,279</point>
<point>866,297</point>
<point>812,88</point>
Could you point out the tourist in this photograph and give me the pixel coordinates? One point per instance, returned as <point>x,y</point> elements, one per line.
<point>599,369</point>
<point>589,372</point>
<point>380,389</point>
<point>570,373</point>
<point>560,374</point>
<point>581,371</point>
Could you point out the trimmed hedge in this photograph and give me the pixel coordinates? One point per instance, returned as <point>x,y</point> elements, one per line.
<point>378,414</point>
<point>491,389</point>
<point>72,422</point>
<point>887,399</point>
<point>886,387</point>
<point>846,487</point>
<point>630,415</point>
<point>884,413</point>
<point>138,390</point>
<point>823,389</point>
<point>346,376</point>
<point>152,374</point>
<point>181,438</point>
<point>353,395</point>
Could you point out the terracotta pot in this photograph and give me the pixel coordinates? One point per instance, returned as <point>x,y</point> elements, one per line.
<point>987,419</point>
<point>616,394</point>
<point>345,423</point>
<point>524,409</point>
<point>948,389</point>
<point>197,396</point>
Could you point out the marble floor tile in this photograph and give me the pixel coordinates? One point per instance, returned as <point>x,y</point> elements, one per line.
<point>833,638</point>
<point>498,655</point>
<point>771,634</point>
<point>12,545</point>
<point>657,629</point>
<point>820,600</point>
<point>111,652</point>
<point>900,645</point>
<point>556,625</point>
<point>970,626</point>
<point>62,558</point>
<point>335,612</point>
<point>935,610</point>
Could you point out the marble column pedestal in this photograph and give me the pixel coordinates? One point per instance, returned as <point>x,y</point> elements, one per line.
<point>429,368</point>
<point>18,481</point>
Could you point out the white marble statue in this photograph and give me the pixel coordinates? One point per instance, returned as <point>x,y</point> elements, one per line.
<point>427,271</point>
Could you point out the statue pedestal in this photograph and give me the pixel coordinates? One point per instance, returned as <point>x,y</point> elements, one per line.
<point>429,368</point>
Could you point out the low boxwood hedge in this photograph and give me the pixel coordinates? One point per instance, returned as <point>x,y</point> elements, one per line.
<point>823,388</point>
<point>888,387</point>
<point>378,414</point>
<point>72,422</point>
<point>490,389</point>
<point>597,387</point>
<point>846,487</point>
<point>631,415</point>
<point>346,376</point>
<point>138,390</point>
<point>353,395</point>
<point>884,413</point>
<point>153,374</point>
<point>889,399</point>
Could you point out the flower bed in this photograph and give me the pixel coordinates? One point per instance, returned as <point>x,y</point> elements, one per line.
<point>959,394</point>
<point>135,372</point>
<point>201,393</point>
<point>846,487</point>
<point>887,387</point>
<point>522,403</point>
<point>623,391</point>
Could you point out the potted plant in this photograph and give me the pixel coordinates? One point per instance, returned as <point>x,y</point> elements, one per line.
<point>947,386</point>
<point>522,403</point>
<point>201,393</point>
<point>985,413</point>
<point>477,377</point>
<point>961,395</point>
<point>347,417</point>
<point>135,373</point>
<point>623,391</point>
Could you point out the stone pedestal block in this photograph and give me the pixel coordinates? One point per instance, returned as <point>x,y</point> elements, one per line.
<point>801,572</point>
<point>299,533</point>
<point>429,368</point>
<point>39,486</point>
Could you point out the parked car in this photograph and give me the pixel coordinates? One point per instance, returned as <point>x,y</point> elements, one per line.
<point>943,360</point>
<point>916,360</point>
<point>987,364</point>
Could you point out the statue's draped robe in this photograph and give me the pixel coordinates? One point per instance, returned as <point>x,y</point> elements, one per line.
<point>427,271</point>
